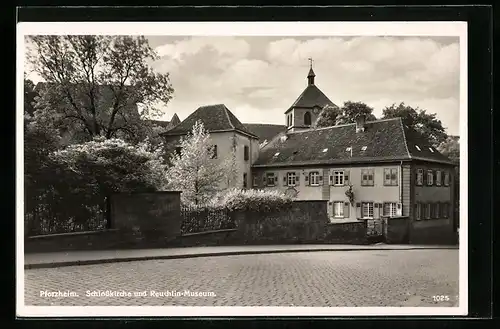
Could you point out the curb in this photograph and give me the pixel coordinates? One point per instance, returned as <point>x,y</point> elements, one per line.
<point>212,254</point>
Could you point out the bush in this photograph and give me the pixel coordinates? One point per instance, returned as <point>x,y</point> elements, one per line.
<point>252,200</point>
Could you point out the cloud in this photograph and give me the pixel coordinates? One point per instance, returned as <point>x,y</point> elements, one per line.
<point>265,78</point>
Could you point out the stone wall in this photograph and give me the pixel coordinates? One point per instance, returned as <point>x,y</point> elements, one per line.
<point>138,220</point>
<point>397,230</point>
<point>307,222</point>
<point>433,231</point>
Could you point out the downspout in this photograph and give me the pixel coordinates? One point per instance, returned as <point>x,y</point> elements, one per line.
<point>401,182</point>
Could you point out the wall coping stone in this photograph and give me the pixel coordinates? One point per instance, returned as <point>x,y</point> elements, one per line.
<point>47,236</point>
<point>209,232</point>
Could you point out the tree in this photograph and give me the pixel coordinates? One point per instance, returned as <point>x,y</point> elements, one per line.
<point>451,148</point>
<point>328,116</point>
<point>30,97</point>
<point>351,110</point>
<point>95,84</point>
<point>193,170</point>
<point>426,124</point>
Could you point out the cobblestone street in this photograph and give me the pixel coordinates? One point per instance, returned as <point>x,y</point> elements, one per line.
<point>325,278</point>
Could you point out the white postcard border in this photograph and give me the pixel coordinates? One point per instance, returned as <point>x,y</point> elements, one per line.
<point>320,29</point>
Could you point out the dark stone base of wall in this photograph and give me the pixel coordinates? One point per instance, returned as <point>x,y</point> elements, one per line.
<point>101,240</point>
<point>435,231</point>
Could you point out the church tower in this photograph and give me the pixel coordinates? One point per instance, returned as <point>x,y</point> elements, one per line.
<point>305,110</point>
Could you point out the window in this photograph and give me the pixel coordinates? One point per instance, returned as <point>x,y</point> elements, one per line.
<point>314,178</point>
<point>418,211</point>
<point>432,206</point>
<point>445,210</point>
<point>338,209</point>
<point>255,180</point>
<point>246,154</point>
<point>367,177</point>
<point>270,179</point>
<point>338,178</point>
<point>214,151</point>
<point>178,150</point>
<point>446,178</point>
<point>420,177</point>
<point>438,210</point>
<point>291,179</point>
<point>390,209</point>
<point>367,209</point>
<point>430,178</point>
<point>307,119</point>
<point>438,177</point>
<point>390,176</point>
<point>428,211</point>
<point>244,180</point>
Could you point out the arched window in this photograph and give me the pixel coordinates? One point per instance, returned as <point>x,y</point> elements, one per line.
<point>307,119</point>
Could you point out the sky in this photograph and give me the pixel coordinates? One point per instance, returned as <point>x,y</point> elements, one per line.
<point>258,78</point>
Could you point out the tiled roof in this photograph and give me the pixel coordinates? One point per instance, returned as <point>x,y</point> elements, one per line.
<point>425,150</point>
<point>214,117</point>
<point>175,120</point>
<point>385,140</point>
<point>311,97</point>
<point>265,131</point>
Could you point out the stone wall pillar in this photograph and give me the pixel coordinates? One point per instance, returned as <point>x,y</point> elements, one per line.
<point>150,217</point>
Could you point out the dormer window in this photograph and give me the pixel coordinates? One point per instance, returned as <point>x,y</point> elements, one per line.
<point>430,149</point>
<point>418,148</point>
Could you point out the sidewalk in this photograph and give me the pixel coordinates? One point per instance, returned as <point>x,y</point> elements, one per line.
<point>71,258</point>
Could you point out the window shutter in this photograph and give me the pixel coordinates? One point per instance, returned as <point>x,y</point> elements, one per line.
<point>284,179</point>
<point>424,177</point>
<point>297,178</point>
<point>399,209</point>
<point>320,179</point>
<point>346,210</point>
<point>275,179</point>
<point>306,180</point>
<point>371,177</point>
<point>346,177</point>
<point>376,210</point>
<point>358,211</point>
<point>330,179</point>
<point>264,179</point>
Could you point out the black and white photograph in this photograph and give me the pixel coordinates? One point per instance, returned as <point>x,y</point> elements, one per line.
<point>258,168</point>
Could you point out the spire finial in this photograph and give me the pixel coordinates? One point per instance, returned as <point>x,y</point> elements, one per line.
<point>311,75</point>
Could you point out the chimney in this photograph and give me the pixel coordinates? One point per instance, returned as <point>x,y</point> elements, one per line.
<point>360,123</point>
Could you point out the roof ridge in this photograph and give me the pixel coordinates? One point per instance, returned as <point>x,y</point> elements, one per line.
<point>338,126</point>
<point>404,137</point>
<point>227,116</point>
